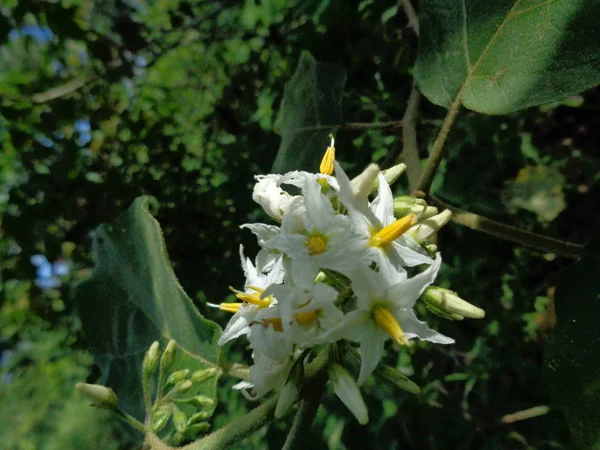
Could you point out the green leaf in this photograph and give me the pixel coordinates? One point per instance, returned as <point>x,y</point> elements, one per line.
<point>311,110</point>
<point>572,362</point>
<point>506,55</point>
<point>133,299</point>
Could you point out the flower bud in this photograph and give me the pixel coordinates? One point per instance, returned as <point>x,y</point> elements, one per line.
<point>199,417</point>
<point>179,419</point>
<point>182,386</point>
<point>168,356</point>
<point>159,418</point>
<point>200,401</point>
<point>200,376</point>
<point>425,229</point>
<point>406,204</point>
<point>151,359</point>
<point>291,388</point>
<point>450,303</point>
<point>180,375</point>
<point>349,393</point>
<point>364,182</point>
<point>99,395</point>
<point>390,175</point>
<point>194,430</point>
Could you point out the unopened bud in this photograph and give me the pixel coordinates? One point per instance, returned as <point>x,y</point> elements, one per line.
<point>183,386</point>
<point>199,376</point>
<point>287,397</point>
<point>406,204</point>
<point>349,393</point>
<point>98,395</point>
<point>450,303</point>
<point>425,229</point>
<point>201,401</point>
<point>431,248</point>
<point>178,376</point>
<point>365,181</point>
<point>194,430</point>
<point>390,175</point>
<point>199,417</point>
<point>151,359</point>
<point>179,419</point>
<point>168,356</point>
<point>159,418</point>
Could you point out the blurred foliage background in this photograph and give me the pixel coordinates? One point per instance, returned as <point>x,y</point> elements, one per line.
<point>101,102</point>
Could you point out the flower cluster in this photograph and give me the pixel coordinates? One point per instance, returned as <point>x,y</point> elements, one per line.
<point>337,266</point>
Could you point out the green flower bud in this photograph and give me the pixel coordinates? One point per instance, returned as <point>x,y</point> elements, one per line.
<point>98,395</point>
<point>168,356</point>
<point>446,315</point>
<point>390,175</point>
<point>199,417</point>
<point>406,204</point>
<point>200,401</point>
<point>175,377</point>
<point>179,419</point>
<point>425,229</point>
<point>151,359</point>
<point>183,386</point>
<point>202,375</point>
<point>450,303</point>
<point>193,431</point>
<point>176,439</point>
<point>160,418</point>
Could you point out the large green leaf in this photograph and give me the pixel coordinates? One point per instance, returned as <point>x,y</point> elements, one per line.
<point>504,55</point>
<point>132,299</point>
<point>311,109</point>
<point>573,352</point>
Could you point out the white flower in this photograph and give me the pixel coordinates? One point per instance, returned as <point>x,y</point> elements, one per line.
<point>245,312</point>
<point>384,309</point>
<point>265,259</point>
<point>268,194</point>
<point>349,393</point>
<point>376,235</point>
<point>313,235</point>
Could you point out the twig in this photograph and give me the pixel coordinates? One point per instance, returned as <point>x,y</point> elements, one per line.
<point>307,411</point>
<point>410,151</point>
<point>525,414</point>
<point>60,91</point>
<point>513,234</point>
<point>438,146</point>
<point>369,125</point>
<point>413,19</point>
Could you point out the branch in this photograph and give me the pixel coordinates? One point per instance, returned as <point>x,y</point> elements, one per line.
<point>438,146</point>
<point>60,91</point>
<point>410,151</point>
<point>513,234</point>
<point>369,125</point>
<point>307,411</point>
<point>413,19</point>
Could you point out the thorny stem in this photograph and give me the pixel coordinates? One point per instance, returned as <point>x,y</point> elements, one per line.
<point>513,234</point>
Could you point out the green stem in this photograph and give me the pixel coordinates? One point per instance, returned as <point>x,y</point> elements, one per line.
<point>370,126</point>
<point>413,19</point>
<point>309,405</point>
<point>130,420</point>
<point>513,234</point>
<point>410,149</point>
<point>435,158</point>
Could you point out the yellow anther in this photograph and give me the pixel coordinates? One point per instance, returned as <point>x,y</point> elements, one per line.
<point>386,320</point>
<point>316,244</point>
<point>230,307</point>
<point>256,288</point>
<point>326,166</point>
<point>254,299</point>
<point>393,231</point>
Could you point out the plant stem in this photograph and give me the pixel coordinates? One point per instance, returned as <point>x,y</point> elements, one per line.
<point>413,19</point>
<point>130,420</point>
<point>437,152</point>
<point>513,234</point>
<point>309,405</point>
<point>410,150</point>
<point>370,125</point>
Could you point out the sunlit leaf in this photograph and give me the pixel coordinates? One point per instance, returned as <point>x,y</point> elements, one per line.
<point>133,299</point>
<point>507,55</point>
<point>572,363</point>
<point>310,111</point>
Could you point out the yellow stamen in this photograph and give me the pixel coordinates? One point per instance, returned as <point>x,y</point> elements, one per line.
<point>393,231</point>
<point>316,244</point>
<point>253,299</point>
<point>256,289</point>
<point>386,320</point>
<point>230,307</point>
<point>326,166</point>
